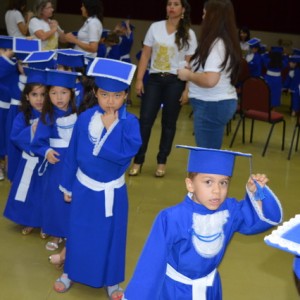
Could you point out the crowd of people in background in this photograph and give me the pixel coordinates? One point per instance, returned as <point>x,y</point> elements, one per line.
<point>65,132</point>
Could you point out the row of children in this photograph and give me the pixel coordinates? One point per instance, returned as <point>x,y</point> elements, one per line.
<point>280,71</point>
<point>104,139</point>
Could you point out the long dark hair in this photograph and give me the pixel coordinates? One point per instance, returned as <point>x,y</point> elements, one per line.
<point>48,107</point>
<point>19,5</point>
<point>94,8</point>
<point>25,106</point>
<point>219,23</point>
<point>182,34</point>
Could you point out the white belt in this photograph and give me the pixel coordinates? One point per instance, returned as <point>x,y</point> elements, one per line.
<point>198,285</point>
<point>58,143</point>
<point>272,73</point>
<point>14,101</point>
<point>125,56</point>
<point>4,105</point>
<point>26,176</point>
<point>98,186</point>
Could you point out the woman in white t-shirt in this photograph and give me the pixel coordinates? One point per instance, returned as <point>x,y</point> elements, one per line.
<point>168,44</point>
<point>215,67</point>
<point>16,19</point>
<point>43,27</point>
<point>89,34</point>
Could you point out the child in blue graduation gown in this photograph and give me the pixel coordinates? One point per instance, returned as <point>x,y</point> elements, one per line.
<point>104,140</point>
<point>24,204</point>
<point>254,58</point>
<point>51,141</point>
<point>188,241</point>
<point>275,61</point>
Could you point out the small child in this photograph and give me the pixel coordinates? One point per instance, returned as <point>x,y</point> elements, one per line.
<point>104,140</point>
<point>51,141</point>
<point>24,205</point>
<point>188,241</point>
<point>254,58</point>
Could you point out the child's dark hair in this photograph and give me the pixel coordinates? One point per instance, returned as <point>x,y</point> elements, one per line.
<point>48,107</point>
<point>89,99</point>
<point>25,106</point>
<point>275,60</point>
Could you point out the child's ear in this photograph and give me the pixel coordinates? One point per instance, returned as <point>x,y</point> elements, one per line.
<point>189,185</point>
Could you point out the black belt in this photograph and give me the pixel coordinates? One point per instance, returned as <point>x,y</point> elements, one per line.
<point>163,74</point>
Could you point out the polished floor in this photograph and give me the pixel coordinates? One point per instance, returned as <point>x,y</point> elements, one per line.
<point>250,270</point>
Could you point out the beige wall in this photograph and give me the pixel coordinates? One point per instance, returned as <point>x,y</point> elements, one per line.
<point>74,22</point>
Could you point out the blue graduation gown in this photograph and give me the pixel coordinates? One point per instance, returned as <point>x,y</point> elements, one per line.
<point>13,153</point>
<point>55,209</point>
<point>255,64</point>
<point>125,47</point>
<point>24,203</point>
<point>192,240</point>
<point>8,70</point>
<point>96,243</point>
<point>274,79</point>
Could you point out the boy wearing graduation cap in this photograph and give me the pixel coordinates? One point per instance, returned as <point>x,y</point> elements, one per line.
<point>104,140</point>
<point>188,241</point>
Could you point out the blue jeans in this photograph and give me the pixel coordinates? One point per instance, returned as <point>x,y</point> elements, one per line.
<point>210,119</point>
<point>166,91</point>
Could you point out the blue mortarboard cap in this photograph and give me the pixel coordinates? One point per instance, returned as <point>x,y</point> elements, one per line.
<point>111,75</point>
<point>294,58</point>
<point>254,42</point>
<point>211,161</point>
<point>296,51</point>
<point>286,237</point>
<point>70,57</point>
<point>22,46</point>
<point>277,49</point>
<point>40,59</point>
<point>6,42</point>
<point>62,78</point>
<point>35,75</point>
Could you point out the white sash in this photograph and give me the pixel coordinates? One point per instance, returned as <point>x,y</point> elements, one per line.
<point>272,73</point>
<point>98,186</point>
<point>198,285</point>
<point>4,105</point>
<point>14,101</point>
<point>26,176</point>
<point>58,143</point>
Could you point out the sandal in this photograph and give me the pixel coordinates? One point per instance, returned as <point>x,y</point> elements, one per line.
<point>115,292</point>
<point>52,246</point>
<point>62,284</point>
<point>27,230</point>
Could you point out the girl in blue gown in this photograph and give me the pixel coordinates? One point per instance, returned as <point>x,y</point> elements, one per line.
<point>51,141</point>
<point>188,241</point>
<point>104,140</point>
<point>25,197</point>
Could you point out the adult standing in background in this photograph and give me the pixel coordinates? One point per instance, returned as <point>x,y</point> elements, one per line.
<point>17,19</point>
<point>213,74</point>
<point>168,43</point>
<point>89,34</point>
<point>43,27</point>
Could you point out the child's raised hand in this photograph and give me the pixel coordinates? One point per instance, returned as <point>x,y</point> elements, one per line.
<point>67,197</point>
<point>51,157</point>
<point>261,179</point>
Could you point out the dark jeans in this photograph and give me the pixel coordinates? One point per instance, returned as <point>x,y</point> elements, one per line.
<point>160,90</point>
<point>210,119</point>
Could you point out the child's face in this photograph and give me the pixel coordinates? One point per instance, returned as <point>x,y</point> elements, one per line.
<point>60,97</point>
<point>209,190</point>
<point>36,97</point>
<point>110,100</point>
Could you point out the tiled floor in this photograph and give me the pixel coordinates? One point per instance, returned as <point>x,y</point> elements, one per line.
<point>250,270</point>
